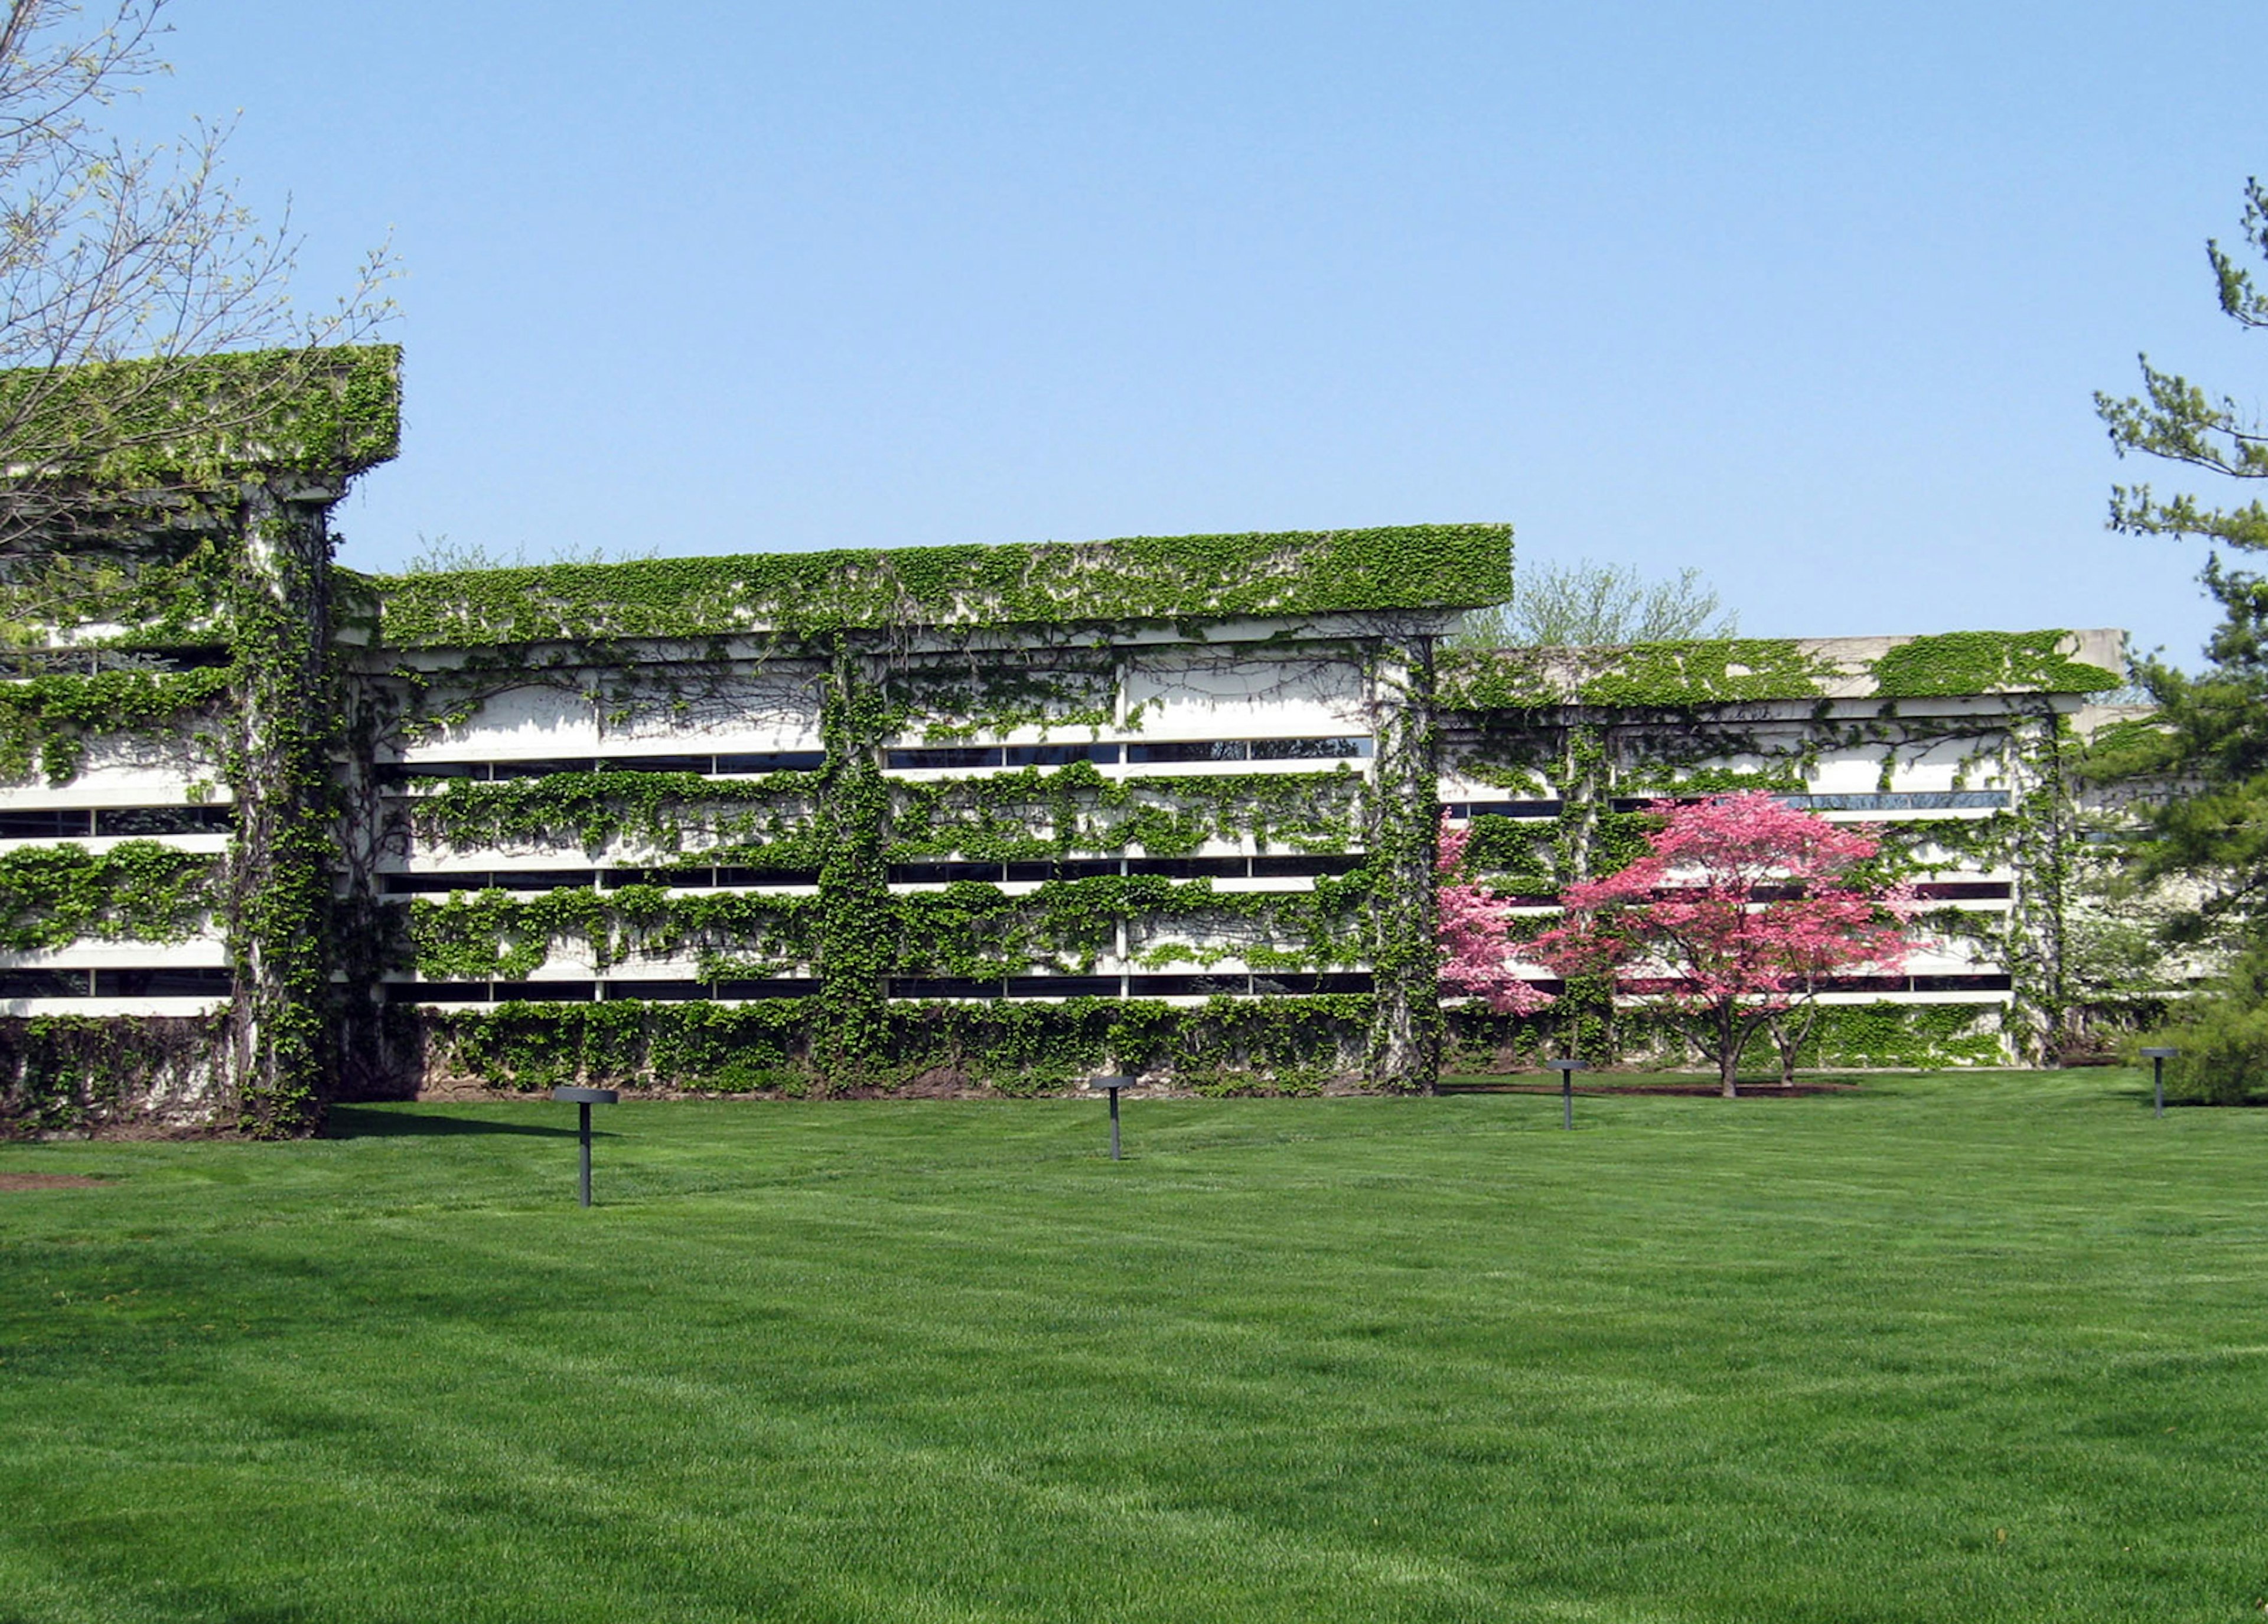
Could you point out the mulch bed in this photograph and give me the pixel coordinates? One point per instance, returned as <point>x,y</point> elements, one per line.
<point>1695,1089</point>
<point>47,1181</point>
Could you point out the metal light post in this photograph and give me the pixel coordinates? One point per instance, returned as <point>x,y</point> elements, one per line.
<point>583,1100</point>
<point>1566,1068</point>
<point>1114,1083</point>
<point>2158,1059</point>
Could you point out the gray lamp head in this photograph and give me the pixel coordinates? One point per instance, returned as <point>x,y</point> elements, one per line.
<point>587,1096</point>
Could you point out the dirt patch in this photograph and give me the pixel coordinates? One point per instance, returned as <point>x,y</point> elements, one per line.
<point>47,1181</point>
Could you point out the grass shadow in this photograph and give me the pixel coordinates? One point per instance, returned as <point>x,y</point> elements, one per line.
<point>367,1122</point>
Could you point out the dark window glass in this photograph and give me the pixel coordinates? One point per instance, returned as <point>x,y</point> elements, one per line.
<point>1086,868</point>
<point>1185,986</point>
<point>540,879</point>
<point>198,659</point>
<point>1511,808</point>
<point>545,992</point>
<point>779,987</point>
<point>944,755</point>
<point>162,983</point>
<point>163,820</point>
<point>1900,800</point>
<point>658,992</point>
<point>1862,983</point>
<point>38,826</point>
<point>655,764</point>
<point>1962,890</point>
<point>542,768</point>
<point>931,873</point>
<point>1294,982</point>
<point>1190,868</point>
<point>1062,987</point>
<point>421,884</point>
<point>767,877</point>
<point>402,772</point>
<point>437,992</point>
<point>1299,865</point>
<point>942,987</point>
<point>1030,870</point>
<point>773,761</point>
<point>1193,750</point>
<point>1308,749</point>
<point>683,879</point>
<point>43,983</point>
<point>1986,982</point>
<point>1282,981</point>
<point>1061,756</point>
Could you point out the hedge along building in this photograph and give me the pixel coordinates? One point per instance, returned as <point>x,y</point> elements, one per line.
<point>1000,815</point>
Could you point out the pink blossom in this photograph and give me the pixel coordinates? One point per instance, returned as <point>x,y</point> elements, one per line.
<point>1739,910</point>
<point>1474,929</point>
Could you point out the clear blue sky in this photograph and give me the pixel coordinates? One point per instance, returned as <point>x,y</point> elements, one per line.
<point>1811,297</point>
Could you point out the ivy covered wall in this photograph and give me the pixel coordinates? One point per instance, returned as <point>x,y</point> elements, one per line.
<point>938,817</point>
<point>1950,750</point>
<point>855,871</point>
<point>164,626</point>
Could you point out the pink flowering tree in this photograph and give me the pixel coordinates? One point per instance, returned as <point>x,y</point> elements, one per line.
<point>1733,918</point>
<point>1475,934</point>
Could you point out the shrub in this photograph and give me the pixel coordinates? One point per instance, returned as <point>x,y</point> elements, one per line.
<point>2222,1034</point>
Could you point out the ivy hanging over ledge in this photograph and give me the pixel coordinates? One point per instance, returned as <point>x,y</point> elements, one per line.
<point>658,810</point>
<point>966,929</point>
<point>1730,671</point>
<point>1040,813</point>
<point>813,595</point>
<point>45,722</point>
<point>142,890</point>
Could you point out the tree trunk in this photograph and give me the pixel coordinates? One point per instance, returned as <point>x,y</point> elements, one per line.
<point>1790,1041</point>
<point>1728,1054</point>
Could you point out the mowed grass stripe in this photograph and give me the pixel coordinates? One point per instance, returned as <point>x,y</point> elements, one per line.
<point>1970,1347</point>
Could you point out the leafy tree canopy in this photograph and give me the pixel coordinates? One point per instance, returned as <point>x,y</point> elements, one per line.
<point>1739,909</point>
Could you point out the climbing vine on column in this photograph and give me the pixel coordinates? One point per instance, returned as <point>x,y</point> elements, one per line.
<point>279,888</point>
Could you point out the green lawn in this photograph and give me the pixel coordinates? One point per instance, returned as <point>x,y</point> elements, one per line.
<point>1950,1348</point>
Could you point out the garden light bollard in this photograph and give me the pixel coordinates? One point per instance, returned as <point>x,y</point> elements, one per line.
<point>2158,1059</point>
<point>583,1100</point>
<point>1566,1068</point>
<point>1114,1085</point>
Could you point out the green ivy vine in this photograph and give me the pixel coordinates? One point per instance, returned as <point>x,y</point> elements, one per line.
<point>52,896</point>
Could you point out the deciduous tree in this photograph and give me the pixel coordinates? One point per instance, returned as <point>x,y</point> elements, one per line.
<point>1587,605</point>
<point>112,250</point>
<point>1475,925</point>
<point>1739,909</point>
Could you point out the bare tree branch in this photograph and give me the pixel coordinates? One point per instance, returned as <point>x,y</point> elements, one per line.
<point>113,251</point>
